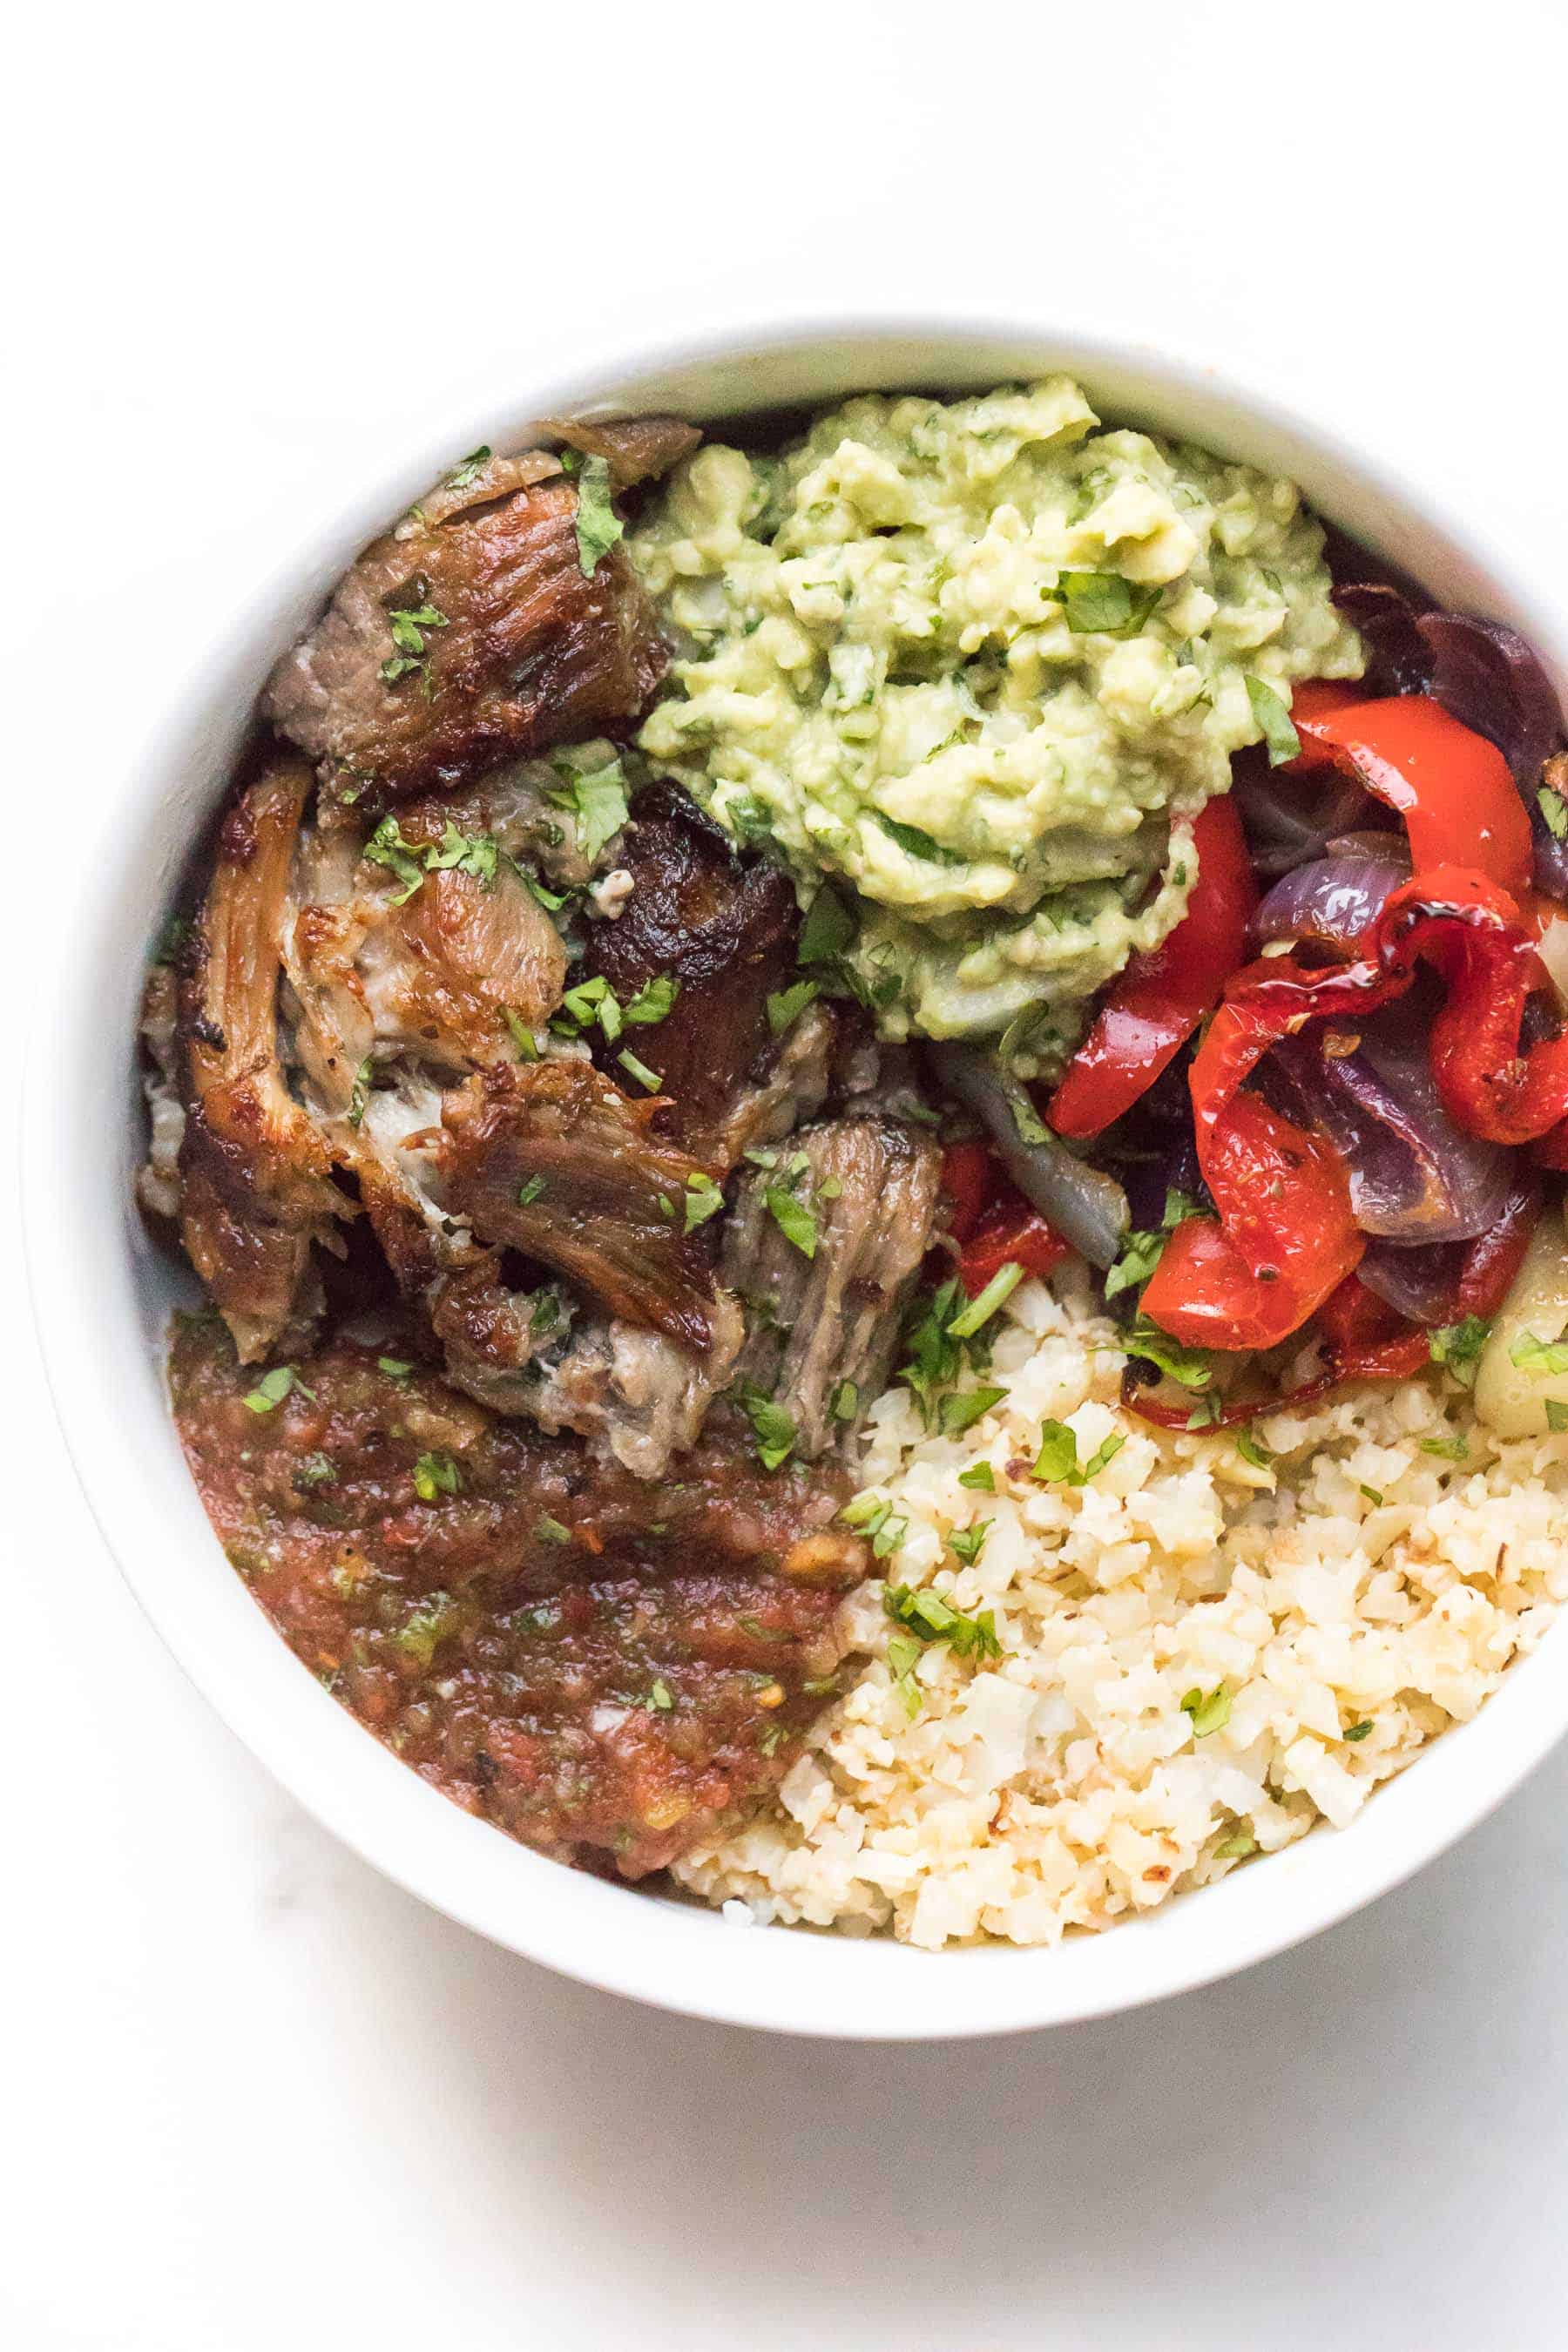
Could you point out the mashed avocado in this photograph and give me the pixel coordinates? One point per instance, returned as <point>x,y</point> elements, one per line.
<point>985,662</point>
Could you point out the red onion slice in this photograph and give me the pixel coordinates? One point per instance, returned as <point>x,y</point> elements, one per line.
<point>1332,900</point>
<point>1414,1176</point>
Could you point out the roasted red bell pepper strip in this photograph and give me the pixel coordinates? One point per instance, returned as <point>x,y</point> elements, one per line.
<point>1154,1006</point>
<point>1286,1236</point>
<point>1454,790</point>
<point>1365,1339</point>
<point>971,1178</point>
<point>1015,1234</point>
<point>1491,1082</point>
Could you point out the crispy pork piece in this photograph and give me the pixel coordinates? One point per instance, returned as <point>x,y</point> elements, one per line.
<point>254,1174</point>
<point>869,1187</point>
<point>469,635</point>
<point>639,1399</point>
<point>724,929</point>
<point>549,1158</point>
<point>635,449</point>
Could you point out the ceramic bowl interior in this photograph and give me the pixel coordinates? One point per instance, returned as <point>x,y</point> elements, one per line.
<point>103,1296</point>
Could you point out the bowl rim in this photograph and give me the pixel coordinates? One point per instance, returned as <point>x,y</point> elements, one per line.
<point>108,1396</point>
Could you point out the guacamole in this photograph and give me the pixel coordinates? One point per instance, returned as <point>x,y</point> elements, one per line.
<point>983,662</point>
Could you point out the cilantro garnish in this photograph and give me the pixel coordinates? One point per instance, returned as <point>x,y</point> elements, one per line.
<point>1548,1357</point>
<point>704,1199</point>
<point>530,1191</point>
<point>654,1001</point>
<point>272,1388</point>
<point>772,1425</point>
<point>914,843</point>
<point>929,1618</point>
<point>467,469</point>
<point>1457,1347</point>
<point>789,1004</point>
<point>596,799</point>
<point>1191,1368</point>
<point>437,1473</point>
<point>1104,602</point>
<point>649,1081</point>
<point>1057,1462</point>
<point>982,1479</point>
<point>1273,718</point>
<point>598,524</point>
<point>981,1308</point>
<point>550,1530</point>
<point>408,624</point>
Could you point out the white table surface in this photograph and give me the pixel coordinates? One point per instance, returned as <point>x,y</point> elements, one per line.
<point>250,2095</point>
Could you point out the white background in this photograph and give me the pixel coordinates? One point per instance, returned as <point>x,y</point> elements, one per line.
<point>250,2095</point>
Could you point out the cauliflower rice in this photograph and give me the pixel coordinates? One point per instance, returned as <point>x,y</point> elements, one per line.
<point>1323,1615</point>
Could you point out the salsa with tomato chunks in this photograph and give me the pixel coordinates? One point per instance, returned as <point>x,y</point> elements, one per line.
<point>599,1665</point>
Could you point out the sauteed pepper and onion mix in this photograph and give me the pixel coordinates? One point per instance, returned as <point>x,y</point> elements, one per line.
<point>1338,1088</point>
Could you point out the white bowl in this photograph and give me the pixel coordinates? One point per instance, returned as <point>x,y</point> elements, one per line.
<point>102,1299</point>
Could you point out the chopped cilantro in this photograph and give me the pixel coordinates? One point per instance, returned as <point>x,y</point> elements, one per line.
<point>437,1473</point>
<point>773,1426</point>
<point>315,1470</point>
<point>427,1629</point>
<point>844,1401</point>
<point>597,801</point>
<point>1356,1731</point>
<point>1251,1450</point>
<point>960,1412</point>
<point>704,1199</point>
<point>1237,1846</point>
<point>1191,1368</point>
<point>929,1618</point>
<point>359,1093</point>
<point>1104,602</point>
<point>395,1367</point>
<point>1373,1495</point>
<point>1556,1415</point>
<point>903,1657</point>
<point>387,847</point>
<point>1450,1449</point>
<point>530,1191</point>
<point>827,929</point>
<point>523,1037</point>
<point>794,1218</point>
<point>598,524</point>
<point>968,1543</point>
<point>547,1315</point>
<point>1140,1254</point>
<point>407,625</point>
<point>875,1519</point>
<point>467,469</point>
<point>467,853</point>
<point>661,1698</point>
<point>790,1003</point>
<point>914,843</point>
<point>1554,809</point>
<point>1273,718</point>
<point>1457,1347</point>
<point>591,1000</point>
<point>1548,1357</point>
<point>272,1388</point>
<point>1058,1463</point>
<point>982,1479</point>
<point>654,1001</point>
<point>1208,1713</point>
<point>550,1530</point>
<point>981,1308</point>
<point>648,1080</point>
